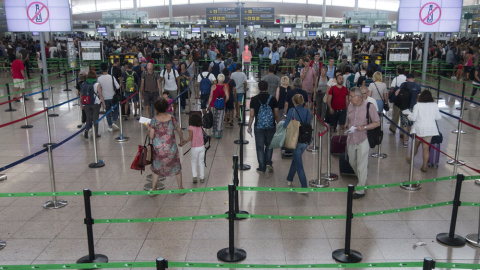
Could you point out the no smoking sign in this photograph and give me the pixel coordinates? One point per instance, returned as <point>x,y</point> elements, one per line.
<point>430,13</point>
<point>38,13</point>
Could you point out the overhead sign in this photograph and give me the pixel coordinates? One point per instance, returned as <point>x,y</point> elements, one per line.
<point>38,15</point>
<point>136,25</point>
<point>346,26</point>
<point>429,15</point>
<point>248,15</point>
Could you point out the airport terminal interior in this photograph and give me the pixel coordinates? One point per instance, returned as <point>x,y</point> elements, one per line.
<point>69,196</point>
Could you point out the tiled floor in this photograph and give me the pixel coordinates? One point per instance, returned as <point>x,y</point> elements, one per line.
<point>36,235</point>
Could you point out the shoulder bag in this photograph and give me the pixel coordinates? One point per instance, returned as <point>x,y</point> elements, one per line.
<point>293,130</point>
<point>439,138</point>
<point>117,97</point>
<point>375,136</point>
<point>385,103</point>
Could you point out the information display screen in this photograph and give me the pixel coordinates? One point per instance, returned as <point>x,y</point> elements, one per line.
<point>101,30</point>
<point>230,30</point>
<point>429,15</point>
<point>366,30</point>
<point>195,29</point>
<point>312,33</point>
<point>381,33</point>
<point>104,34</point>
<point>173,33</point>
<point>35,34</point>
<point>248,15</point>
<point>287,30</point>
<point>38,15</point>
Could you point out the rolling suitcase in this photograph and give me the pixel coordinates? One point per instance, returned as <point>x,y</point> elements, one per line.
<point>344,165</point>
<point>434,156</point>
<point>338,144</point>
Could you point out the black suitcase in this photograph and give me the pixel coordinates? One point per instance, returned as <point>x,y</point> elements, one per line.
<point>344,165</point>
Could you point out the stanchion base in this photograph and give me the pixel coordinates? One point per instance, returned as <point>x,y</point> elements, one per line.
<point>340,256</point>
<point>472,239</point>
<point>67,89</point>
<point>150,176</point>
<point>318,183</point>
<point>238,142</point>
<point>96,165</point>
<point>99,258</point>
<point>10,110</point>
<point>55,204</point>
<point>47,144</point>
<point>238,255</point>
<point>53,115</point>
<point>148,186</point>
<point>453,162</point>
<point>412,187</point>
<point>3,177</point>
<point>239,212</point>
<point>381,155</point>
<point>27,126</point>
<point>329,177</point>
<point>244,167</point>
<point>455,241</point>
<point>477,182</point>
<point>312,149</point>
<point>456,131</point>
<point>2,244</point>
<point>122,139</point>
<point>43,98</point>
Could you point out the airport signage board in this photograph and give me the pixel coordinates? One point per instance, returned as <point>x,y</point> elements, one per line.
<point>38,15</point>
<point>137,25</point>
<point>248,16</point>
<point>429,15</point>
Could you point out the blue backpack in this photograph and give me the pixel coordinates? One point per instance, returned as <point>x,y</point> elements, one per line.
<point>88,93</point>
<point>265,115</point>
<point>205,84</point>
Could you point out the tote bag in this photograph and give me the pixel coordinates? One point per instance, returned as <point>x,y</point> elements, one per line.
<point>293,130</point>
<point>279,137</point>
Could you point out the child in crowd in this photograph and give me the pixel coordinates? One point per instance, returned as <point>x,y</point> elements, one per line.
<point>166,95</point>
<point>195,135</point>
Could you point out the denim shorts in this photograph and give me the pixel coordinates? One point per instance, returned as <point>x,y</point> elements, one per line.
<point>134,98</point>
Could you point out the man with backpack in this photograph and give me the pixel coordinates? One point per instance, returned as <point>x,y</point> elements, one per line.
<point>396,83</point>
<point>205,81</point>
<point>171,80</point>
<point>263,108</point>
<point>216,66</point>
<point>130,86</point>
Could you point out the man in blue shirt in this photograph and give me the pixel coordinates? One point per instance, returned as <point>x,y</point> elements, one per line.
<point>275,59</point>
<point>331,68</point>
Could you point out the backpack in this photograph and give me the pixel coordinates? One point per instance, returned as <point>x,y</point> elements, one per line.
<point>265,115</point>
<point>361,79</point>
<point>88,94</point>
<point>215,69</point>
<point>205,84</point>
<point>55,54</point>
<point>350,81</point>
<point>232,67</point>
<point>305,131</point>
<point>130,84</point>
<point>402,100</point>
<point>219,103</point>
<point>348,65</point>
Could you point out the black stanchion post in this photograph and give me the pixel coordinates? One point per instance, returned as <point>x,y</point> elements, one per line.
<point>428,263</point>
<point>236,183</point>
<point>91,257</point>
<point>450,238</point>
<point>242,167</point>
<point>347,255</point>
<point>43,93</point>
<point>162,264</point>
<point>66,82</point>
<point>231,254</point>
<point>438,87</point>
<point>462,107</point>
<point>242,123</point>
<point>58,68</point>
<point>10,109</point>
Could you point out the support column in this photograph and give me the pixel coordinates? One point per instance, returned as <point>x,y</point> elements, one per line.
<point>425,56</point>
<point>170,12</point>
<point>356,5</point>
<point>44,59</point>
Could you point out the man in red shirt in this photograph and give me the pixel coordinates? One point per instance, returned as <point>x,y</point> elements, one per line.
<point>18,74</point>
<point>337,101</point>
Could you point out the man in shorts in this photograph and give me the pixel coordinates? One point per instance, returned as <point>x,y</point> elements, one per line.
<point>204,94</point>
<point>337,102</point>
<point>171,80</point>
<point>241,86</point>
<point>149,88</point>
<point>18,75</point>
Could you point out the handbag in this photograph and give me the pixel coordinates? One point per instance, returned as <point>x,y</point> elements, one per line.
<point>438,139</point>
<point>293,130</point>
<point>143,157</point>
<point>375,136</point>
<point>117,97</point>
<point>385,103</point>
<point>279,138</point>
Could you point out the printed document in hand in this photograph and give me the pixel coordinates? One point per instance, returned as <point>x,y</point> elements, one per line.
<point>407,112</point>
<point>144,120</point>
<point>351,130</point>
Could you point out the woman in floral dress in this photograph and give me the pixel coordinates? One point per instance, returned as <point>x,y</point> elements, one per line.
<point>165,157</point>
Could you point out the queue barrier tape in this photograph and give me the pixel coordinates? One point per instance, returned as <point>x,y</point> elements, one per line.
<point>470,125</point>
<point>470,203</point>
<point>26,90</point>
<point>6,102</point>
<point>65,102</point>
<point>21,161</point>
<point>170,191</point>
<point>71,137</point>
<point>127,99</point>
<point>396,125</point>
<point>23,118</point>
<point>164,219</point>
<point>44,90</point>
<point>171,264</point>
<point>106,113</point>
<point>451,115</point>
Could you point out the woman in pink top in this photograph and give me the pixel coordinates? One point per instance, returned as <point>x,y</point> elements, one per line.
<point>247,58</point>
<point>308,77</point>
<point>197,151</point>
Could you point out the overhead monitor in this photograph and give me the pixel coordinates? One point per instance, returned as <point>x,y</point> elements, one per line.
<point>244,33</point>
<point>366,30</point>
<point>287,30</point>
<point>173,33</point>
<point>230,30</point>
<point>429,16</point>
<point>312,33</point>
<point>195,29</point>
<point>105,34</point>
<point>35,34</point>
<point>101,30</point>
<point>449,34</point>
<point>381,33</point>
<point>38,15</point>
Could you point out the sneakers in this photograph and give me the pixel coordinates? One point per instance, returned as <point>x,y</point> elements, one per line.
<point>289,183</point>
<point>453,78</point>
<point>270,168</point>
<point>202,180</point>
<point>230,124</point>
<point>405,145</point>
<point>472,105</point>
<point>115,127</point>
<point>110,129</point>
<point>358,195</point>
<point>98,136</point>
<point>194,180</point>
<point>260,171</point>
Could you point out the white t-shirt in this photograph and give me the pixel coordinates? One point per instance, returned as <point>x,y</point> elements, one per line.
<point>107,86</point>
<point>419,54</point>
<point>169,81</point>
<point>52,51</point>
<point>95,89</point>
<point>398,80</point>
<point>211,77</point>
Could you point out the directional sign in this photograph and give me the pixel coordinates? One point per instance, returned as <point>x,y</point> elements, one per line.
<point>429,15</point>
<point>232,15</point>
<point>38,15</point>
